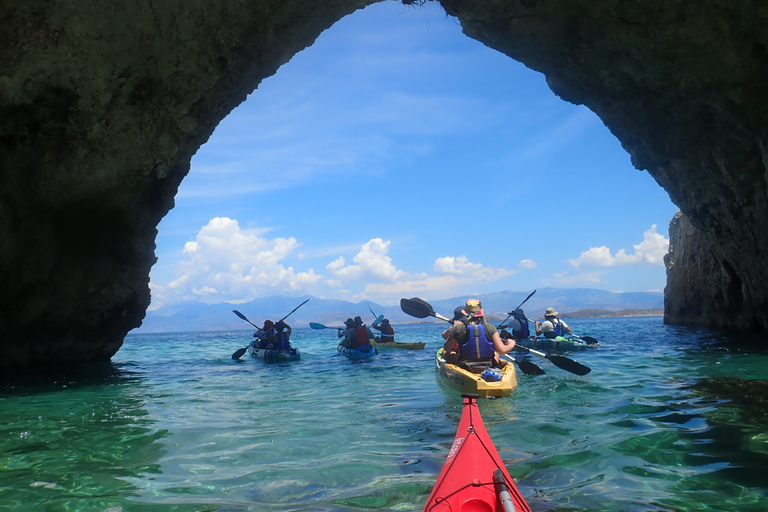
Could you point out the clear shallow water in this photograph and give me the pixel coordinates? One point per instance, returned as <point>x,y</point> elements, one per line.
<point>670,419</point>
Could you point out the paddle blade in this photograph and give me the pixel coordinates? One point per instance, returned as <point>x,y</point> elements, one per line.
<point>590,340</point>
<point>313,325</point>
<point>238,354</point>
<point>529,368</point>
<point>240,315</point>
<point>568,364</point>
<point>378,320</point>
<point>416,307</point>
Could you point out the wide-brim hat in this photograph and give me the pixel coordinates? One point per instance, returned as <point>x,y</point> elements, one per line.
<point>550,312</point>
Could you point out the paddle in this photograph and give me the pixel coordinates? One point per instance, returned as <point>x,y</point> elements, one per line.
<point>589,339</point>
<point>314,325</point>
<point>562,362</point>
<point>420,308</point>
<point>239,352</point>
<point>518,307</point>
<point>526,367</point>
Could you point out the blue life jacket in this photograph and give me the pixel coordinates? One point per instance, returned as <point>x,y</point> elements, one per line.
<point>477,347</point>
<point>559,329</point>
<point>524,331</point>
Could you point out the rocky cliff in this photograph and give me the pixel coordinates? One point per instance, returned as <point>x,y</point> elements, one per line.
<point>103,104</point>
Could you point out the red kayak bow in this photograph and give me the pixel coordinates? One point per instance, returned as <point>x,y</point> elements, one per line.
<point>473,478</point>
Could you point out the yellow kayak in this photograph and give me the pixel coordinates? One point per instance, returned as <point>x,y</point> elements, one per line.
<point>465,381</point>
<point>397,344</point>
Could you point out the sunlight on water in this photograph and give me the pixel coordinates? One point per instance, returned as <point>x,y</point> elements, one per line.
<point>669,419</point>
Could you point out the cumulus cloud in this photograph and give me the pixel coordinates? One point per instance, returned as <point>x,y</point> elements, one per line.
<point>649,252</point>
<point>371,263</point>
<point>460,266</point>
<point>226,263</point>
<point>527,264</point>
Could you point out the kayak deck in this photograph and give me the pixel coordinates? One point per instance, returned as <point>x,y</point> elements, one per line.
<point>275,356</point>
<point>473,477</point>
<point>465,381</point>
<point>351,353</point>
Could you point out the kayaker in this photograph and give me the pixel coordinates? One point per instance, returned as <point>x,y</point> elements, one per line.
<point>282,337</point>
<point>386,330</point>
<point>477,340</point>
<point>359,336</point>
<point>519,325</point>
<point>349,323</point>
<point>268,334</point>
<point>552,326</point>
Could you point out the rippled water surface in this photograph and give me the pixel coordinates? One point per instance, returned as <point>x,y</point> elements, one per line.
<point>669,419</point>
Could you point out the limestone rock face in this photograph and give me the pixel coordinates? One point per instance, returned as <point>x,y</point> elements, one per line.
<point>103,104</point>
<point>684,87</point>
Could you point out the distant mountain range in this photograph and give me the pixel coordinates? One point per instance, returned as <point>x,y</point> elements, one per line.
<point>219,317</point>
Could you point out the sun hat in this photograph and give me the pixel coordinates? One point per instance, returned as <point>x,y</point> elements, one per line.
<point>268,324</point>
<point>385,322</point>
<point>473,307</point>
<point>550,312</point>
<point>349,322</point>
<point>358,320</point>
<point>458,314</point>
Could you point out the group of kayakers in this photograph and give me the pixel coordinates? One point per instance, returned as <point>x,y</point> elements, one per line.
<point>358,336</point>
<point>470,340</point>
<point>273,336</point>
<point>473,341</point>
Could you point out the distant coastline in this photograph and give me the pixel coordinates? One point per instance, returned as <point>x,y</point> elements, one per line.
<point>602,313</point>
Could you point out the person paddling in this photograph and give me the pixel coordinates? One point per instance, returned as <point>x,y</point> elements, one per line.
<point>477,340</point>
<point>350,324</point>
<point>359,336</point>
<point>386,330</point>
<point>266,335</point>
<point>552,326</point>
<point>282,341</point>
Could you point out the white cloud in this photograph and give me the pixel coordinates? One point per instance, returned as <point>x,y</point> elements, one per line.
<point>460,266</point>
<point>528,264</point>
<point>228,264</point>
<point>649,252</point>
<point>370,264</point>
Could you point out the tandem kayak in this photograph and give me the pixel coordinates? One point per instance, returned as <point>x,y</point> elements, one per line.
<point>473,478</point>
<point>275,356</point>
<point>351,353</point>
<point>396,344</point>
<point>464,381</point>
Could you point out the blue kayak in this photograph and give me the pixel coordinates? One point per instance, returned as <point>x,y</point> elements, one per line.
<point>351,353</point>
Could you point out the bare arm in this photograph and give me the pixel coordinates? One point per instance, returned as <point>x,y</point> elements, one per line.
<point>500,346</point>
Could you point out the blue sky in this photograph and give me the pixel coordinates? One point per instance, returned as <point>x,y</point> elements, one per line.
<point>397,157</point>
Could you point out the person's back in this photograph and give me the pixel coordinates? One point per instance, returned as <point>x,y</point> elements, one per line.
<point>519,325</point>
<point>477,340</point>
<point>282,337</point>
<point>359,336</point>
<point>386,330</point>
<point>552,326</point>
<point>269,334</point>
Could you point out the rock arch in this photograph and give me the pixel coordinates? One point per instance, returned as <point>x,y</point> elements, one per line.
<point>103,105</point>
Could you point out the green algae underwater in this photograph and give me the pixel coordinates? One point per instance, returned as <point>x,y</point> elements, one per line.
<point>669,419</point>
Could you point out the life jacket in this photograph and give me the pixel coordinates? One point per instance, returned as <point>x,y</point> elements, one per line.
<point>387,334</point>
<point>267,338</point>
<point>361,336</point>
<point>524,331</point>
<point>477,346</point>
<point>282,342</point>
<point>559,329</point>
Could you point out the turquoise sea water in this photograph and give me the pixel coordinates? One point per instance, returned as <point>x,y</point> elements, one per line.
<point>669,419</point>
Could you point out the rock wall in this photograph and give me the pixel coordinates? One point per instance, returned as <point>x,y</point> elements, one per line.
<point>684,87</point>
<point>103,104</point>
